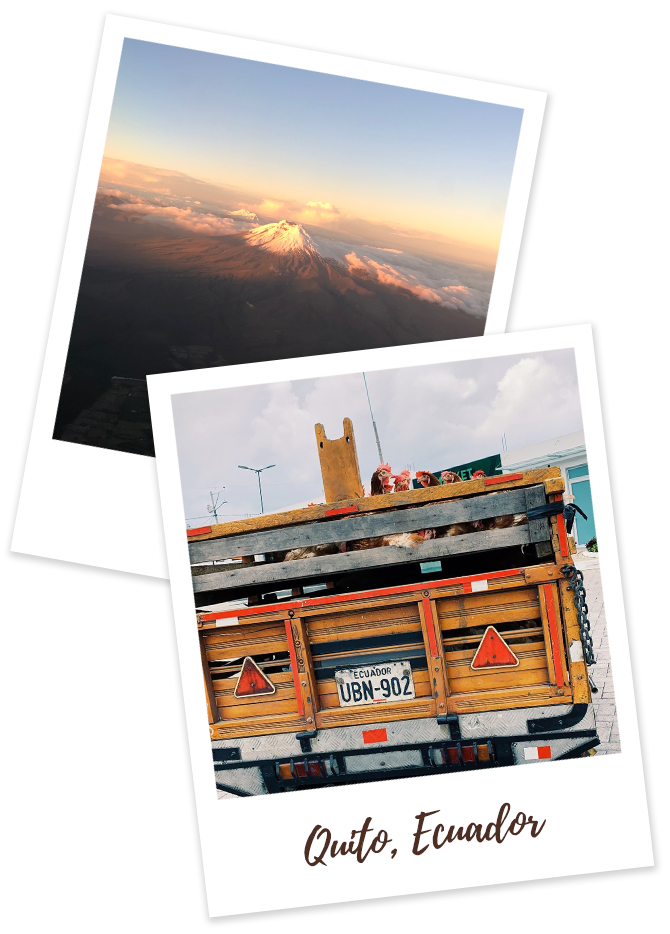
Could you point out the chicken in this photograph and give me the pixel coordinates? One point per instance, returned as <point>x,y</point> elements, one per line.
<point>478,475</point>
<point>316,551</point>
<point>401,481</point>
<point>507,522</point>
<point>448,476</point>
<point>458,528</point>
<point>409,539</point>
<point>381,480</point>
<point>362,544</point>
<point>398,539</point>
<point>426,478</point>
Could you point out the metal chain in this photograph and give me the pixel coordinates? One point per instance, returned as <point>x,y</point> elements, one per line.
<point>576,584</point>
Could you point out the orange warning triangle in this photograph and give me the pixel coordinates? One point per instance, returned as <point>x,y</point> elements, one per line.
<point>252,680</point>
<point>493,652</point>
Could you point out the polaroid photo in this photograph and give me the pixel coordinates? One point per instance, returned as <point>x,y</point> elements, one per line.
<point>396,587</point>
<point>241,202</point>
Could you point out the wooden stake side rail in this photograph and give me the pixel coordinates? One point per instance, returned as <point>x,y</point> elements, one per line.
<point>385,556</point>
<point>363,600</point>
<point>549,476</point>
<point>352,527</point>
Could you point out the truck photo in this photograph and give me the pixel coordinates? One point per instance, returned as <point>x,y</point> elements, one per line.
<point>431,630</point>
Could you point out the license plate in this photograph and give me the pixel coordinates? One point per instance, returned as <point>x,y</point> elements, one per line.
<point>375,684</point>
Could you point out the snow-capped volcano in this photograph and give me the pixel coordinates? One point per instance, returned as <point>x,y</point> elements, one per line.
<point>282,237</point>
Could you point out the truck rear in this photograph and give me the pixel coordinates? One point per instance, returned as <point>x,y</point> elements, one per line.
<point>342,643</point>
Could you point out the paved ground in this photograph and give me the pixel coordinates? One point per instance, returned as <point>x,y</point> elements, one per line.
<point>643,563</point>
<point>604,701</point>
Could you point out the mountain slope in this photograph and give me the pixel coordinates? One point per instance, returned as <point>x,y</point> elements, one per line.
<point>164,303</point>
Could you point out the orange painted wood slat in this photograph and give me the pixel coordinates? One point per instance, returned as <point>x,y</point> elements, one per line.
<point>294,667</point>
<point>548,590</point>
<point>562,536</point>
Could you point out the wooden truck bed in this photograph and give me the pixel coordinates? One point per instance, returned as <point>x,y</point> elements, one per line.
<point>386,604</point>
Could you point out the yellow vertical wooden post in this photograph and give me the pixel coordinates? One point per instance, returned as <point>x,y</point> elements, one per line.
<point>339,464</point>
<point>212,709</point>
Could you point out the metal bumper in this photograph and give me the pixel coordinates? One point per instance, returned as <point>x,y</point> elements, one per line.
<point>347,755</point>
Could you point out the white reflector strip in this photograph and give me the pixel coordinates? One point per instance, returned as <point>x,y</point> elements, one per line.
<point>530,752</point>
<point>479,585</point>
<point>228,621</point>
<point>576,651</point>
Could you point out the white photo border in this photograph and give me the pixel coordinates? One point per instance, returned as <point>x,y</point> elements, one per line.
<point>595,808</point>
<point>75,527</point>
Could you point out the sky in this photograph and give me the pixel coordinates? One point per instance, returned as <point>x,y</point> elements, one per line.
<point>51,53</point>
<point>630,341</point>
<point>429,418</point>
<point>357,156</point>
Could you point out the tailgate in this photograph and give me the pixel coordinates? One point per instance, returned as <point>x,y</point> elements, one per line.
<point>436,629</point>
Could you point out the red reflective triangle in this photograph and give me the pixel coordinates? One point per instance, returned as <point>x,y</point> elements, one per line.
<point>252,680</point>
<point>493,652</point>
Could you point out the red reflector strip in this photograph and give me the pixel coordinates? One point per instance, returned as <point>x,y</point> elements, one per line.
<point>468,753</point>
<point>342,511</point>
<point>553,633</point>
<point>375,736</point>
<point>294,667</point>
<point>299,769</point>
<point>504,478</point>
<point>452,756</point>
<point>562,536</point>
<point>204,530</point>
<point>544,752</point>
<point>314,768</point>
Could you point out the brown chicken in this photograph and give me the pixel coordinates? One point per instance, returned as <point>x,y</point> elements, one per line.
<point>381,480</point>
<point>401,481</point>
<point>461,528</point>
<point>316,551</point>
<point>507,522</point>
<point>398,539</point>
<point>448,476</point>
<point>426,478</point>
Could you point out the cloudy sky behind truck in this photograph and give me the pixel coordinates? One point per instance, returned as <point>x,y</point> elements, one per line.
<point>428,418</point>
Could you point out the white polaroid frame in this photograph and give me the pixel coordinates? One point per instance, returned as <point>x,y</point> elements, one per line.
<point>595,809</point>
<point>96,496</point>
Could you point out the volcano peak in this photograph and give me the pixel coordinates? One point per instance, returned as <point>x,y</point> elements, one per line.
<point>282,237</point>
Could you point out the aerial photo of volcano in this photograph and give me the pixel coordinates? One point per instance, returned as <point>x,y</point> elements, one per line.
<point>249,212</point>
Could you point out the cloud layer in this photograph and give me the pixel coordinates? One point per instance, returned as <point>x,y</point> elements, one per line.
<point>194,220</point>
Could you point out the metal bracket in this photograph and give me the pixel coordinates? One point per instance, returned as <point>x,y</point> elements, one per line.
<point>567,510</point>
<point>306,740</point>
<point>454,726</point>
<point>227,755</point>
<point>570,718</point>
<point>544,512</point>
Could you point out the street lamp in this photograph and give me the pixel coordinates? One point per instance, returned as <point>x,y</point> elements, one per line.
<point>258,472</point>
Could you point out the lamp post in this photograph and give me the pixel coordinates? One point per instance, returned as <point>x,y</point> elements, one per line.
<point>258,472</point>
